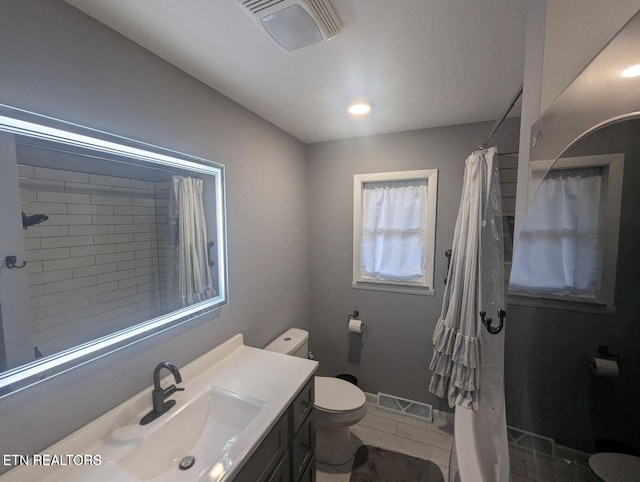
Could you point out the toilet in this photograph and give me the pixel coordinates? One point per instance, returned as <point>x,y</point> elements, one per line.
<point>338,403</point>
<point>613,467</point>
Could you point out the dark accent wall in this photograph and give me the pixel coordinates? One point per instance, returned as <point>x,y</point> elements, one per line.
<point>548,384</point>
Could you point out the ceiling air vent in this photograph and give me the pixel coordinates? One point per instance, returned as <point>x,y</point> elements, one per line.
<point>295,23</point>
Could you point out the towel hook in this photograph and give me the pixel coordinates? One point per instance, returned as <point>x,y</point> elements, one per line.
<point>494,330</point>
<point>12,262</point>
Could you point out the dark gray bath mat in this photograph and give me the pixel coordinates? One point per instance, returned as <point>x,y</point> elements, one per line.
<point>373,464</point>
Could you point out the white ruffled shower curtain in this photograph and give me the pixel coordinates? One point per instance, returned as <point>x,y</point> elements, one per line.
<point>189,275</point>
<point>457,337</point>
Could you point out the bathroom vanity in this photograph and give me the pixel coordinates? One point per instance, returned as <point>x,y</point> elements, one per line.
<point>245,415</point>
<point>288,452</point>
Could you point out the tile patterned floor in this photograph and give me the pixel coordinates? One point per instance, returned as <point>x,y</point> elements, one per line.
<point>430,441</point>
<point>434,442</point>
<point>525,467</point>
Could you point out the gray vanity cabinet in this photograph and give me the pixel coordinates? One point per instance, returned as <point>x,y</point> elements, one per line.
<point>287,454</point>
<point>303,435</point>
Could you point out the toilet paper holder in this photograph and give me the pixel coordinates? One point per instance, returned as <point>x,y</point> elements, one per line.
<point>603,351</point>
<point>354,316</point>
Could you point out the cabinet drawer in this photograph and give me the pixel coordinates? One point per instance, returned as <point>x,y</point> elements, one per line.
<point>303,448</point>
<point>302,406</point>
<point>282,472</point>
<point>309,474</point>
<point>265,459</point>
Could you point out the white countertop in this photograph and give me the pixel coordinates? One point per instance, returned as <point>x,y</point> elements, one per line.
<point>270,377</point>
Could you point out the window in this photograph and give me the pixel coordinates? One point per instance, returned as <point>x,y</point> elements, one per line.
<point>394,223</point>
<point>571,233</point>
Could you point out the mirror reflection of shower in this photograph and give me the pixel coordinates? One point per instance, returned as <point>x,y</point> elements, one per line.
<point>574,295</point>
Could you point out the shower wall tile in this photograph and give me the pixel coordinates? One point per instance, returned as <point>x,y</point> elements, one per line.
<point>95,270</point>
<point>137,210</point>
<point>42,231</point>
<point>36,290</point>
<point>72,284</point>
<point>68,263</point>
<point>109,180</point>
<point>34,266</point>
<point>49,276</point>
<point>26,171</point>
<point>131,192</point>
<point>93,265</point>
<point>143,228</point>
<point>68,220</point>
<point>59,175</point>
<point>59,197</point>
<point>32,208</point>
<point>133,246</point>
<point>149,185</point>
<point>47,254</point>
<point>112,238</point>
<point>111,200</point>
<point>64,241</point>
<point>27,196</point>
<point>137,281</point>
<point>112,220</point>
<point>79,230</point>
<point>36,185</point>
<point>118,275</point>
<point>115,257</point>
<point>87,188</point>
<point>143,202</point>
<point>93,249</point>
<point>32,243</point>
<point>89,209</point>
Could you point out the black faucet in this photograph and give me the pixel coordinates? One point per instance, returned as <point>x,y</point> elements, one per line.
<point>159,394</point>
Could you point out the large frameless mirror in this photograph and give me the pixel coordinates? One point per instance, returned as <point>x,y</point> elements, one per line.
<point>105,241</point>
<point>572,363</point>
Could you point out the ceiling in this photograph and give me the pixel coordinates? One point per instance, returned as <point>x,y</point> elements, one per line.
<point>422,63</point>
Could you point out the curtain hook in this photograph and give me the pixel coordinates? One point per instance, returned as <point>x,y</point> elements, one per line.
<point>11,262</point>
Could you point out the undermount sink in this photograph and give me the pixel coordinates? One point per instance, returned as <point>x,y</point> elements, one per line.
<point>209,424</point>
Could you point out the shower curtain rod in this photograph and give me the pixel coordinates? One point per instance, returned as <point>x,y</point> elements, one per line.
<point>499,122</point>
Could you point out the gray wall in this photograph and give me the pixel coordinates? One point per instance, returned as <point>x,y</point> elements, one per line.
<point>59,62</point>
<point>397,340</point>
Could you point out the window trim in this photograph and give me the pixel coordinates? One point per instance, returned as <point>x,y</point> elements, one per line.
<point>359,180</point>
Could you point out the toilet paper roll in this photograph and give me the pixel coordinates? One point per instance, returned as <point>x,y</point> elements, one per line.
<point>603,367</point>
<point>356,326</point>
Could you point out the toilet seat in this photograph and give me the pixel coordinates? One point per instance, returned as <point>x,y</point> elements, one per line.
<point>337,396</point>
<point>612,467</point>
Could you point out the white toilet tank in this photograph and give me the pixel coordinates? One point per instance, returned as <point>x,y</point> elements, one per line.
<point>292,342</point>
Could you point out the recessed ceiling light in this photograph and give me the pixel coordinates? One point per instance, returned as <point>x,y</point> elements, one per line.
<point>633,71</point>
<point>360,108</point>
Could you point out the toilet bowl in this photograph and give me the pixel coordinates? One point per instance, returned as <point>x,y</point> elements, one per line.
<point>338,403</point>
<point>612,467</point>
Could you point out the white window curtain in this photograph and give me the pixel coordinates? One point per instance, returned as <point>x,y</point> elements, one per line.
<point>394,231</point>
<point>561,238</point>
<point>189,275</point>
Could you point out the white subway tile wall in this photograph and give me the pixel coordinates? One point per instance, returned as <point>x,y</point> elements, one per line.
<point>98,264</point>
